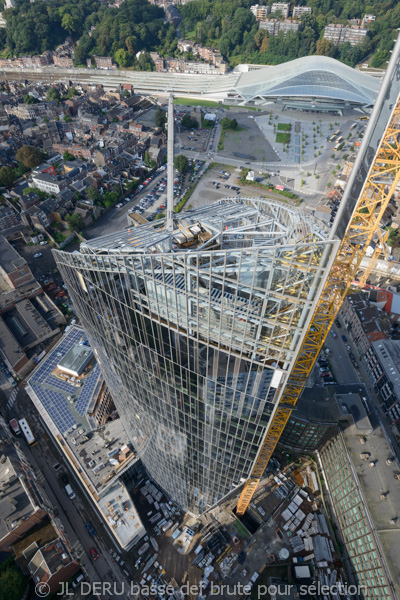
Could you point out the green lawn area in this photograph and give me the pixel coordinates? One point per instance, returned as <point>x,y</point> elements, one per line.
<point>282,138</point>
<point>194,102</point>
<point>284,127</point>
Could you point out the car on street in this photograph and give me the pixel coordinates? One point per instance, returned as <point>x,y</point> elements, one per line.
<point>337,323</point>
<point>90,528</point>
<point>37,255</point>
<point>93,553</point>
<point>344,338</point>
<point>334,334</point>
<point>325,374</point>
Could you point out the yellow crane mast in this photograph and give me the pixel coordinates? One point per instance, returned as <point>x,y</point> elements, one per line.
<point>380,173</point>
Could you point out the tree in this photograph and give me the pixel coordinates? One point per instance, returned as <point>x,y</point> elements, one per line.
<point>67,119</point>
<point>7,177</point>
<point>72,92</point>
<point>30,99</point>
<point>68,156</point>
<point>147,158</point>
<point>188,123</point>
<point>53,94</point>
<point>122,57</point>
<point>160,118</point>
<point>93,194</point>
<point>75,222</point>
<point>29,156</point>
<point>12,584</point>
<point>181,163</point>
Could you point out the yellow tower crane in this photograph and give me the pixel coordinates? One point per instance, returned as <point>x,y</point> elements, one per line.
<point>373,181</point>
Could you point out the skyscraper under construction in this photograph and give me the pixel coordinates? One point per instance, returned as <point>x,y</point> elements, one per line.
<point>196,324</point>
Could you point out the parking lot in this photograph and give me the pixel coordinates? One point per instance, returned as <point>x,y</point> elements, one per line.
<point>155,201</point>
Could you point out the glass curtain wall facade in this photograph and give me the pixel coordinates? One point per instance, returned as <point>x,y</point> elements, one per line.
<point>196,330</point>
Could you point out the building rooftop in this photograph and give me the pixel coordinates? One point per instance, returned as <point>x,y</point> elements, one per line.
<point>120,512</point>
<point>100,455</point>
<point>16,503</point>
<point>9,345</point>
<point>76,359</point>
<point>48,560</point>
<point>233,223</point>
<point>10,260</point>
<point>388,352</point>
<point>372,482</point>
<point>351,404</point>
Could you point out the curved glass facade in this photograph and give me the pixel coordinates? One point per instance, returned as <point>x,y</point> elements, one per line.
<point>311,77</point>
<point>196,329</point>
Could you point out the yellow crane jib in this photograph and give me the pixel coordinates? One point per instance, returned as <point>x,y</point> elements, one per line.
<point>371,185</point>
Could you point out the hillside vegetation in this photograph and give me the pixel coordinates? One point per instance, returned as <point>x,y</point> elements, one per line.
<point>228,25</point>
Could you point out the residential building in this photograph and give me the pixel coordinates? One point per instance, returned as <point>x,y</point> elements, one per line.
<point>367,19</point>
<point>23,502</point>
<point>51,564</point>
<point>103,62</point>
<point>75,150</point>
<point>281,7</point>
<point>48,183</point>
<point>8,218</point>
<point>63,61</point>
<point>339,34</point>
<point>260,12</point>
<point>194,355</point>
<point>365,323</point>
<point>382,362</point>
<point>14,269</point>
<point>298,11</point>
<point>274,26</point>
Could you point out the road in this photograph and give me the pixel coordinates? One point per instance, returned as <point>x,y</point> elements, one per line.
<point>73,514</point>
<point>345,373</point>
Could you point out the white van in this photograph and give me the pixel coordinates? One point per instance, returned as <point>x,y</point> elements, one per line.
<point>77,581</point>
<point>70,492</point>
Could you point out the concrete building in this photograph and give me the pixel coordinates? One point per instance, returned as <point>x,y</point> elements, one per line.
<point>365,323</point>
<point>14,270</point>
<point>275,27</point>
<point>281,7</point>
<point>68,390</point>
<point>22,505</point>
<point>191,358</point>
<point>51,564</point>
<point>298,11</point>
<point>339,34</point>
<point>260,12</point>
<point>48,183</point>
<point>365,500</point>
<point>8,218</point>
<point>103,62</point>
<point>382,361</point>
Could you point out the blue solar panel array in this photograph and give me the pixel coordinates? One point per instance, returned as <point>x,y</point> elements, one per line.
<point>87,392</point>
<point>56,406</point>
<point>55,403</point>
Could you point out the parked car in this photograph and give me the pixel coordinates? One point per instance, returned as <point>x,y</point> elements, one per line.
<point>93,553</point>
<point>337,323</point>
<point>334,334</point>
<point>37,255</point>
<point>344,338</point>
<point>90,528</point>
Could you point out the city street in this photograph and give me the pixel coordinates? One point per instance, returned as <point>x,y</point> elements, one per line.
<point>73,514</point>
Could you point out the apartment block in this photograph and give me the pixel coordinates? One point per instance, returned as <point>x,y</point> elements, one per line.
<point>274,27</point>
<point>298,11</point>
<point>283,7</point>
<point>339,34</point>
